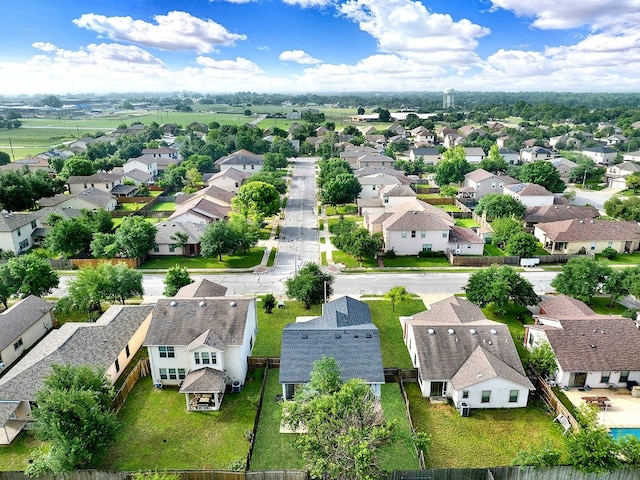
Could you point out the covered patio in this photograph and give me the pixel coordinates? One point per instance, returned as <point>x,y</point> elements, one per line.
<point>618,409</point>
<point>11,421</point>
<point>204,389</point>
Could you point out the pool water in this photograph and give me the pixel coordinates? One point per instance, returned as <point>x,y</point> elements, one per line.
<point>621,432</point>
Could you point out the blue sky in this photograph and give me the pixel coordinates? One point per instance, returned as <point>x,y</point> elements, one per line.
<point>318,46</point>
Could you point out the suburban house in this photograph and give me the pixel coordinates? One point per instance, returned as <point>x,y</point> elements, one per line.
<point>138,177</point>
<point>632,156</point>
<point>144,163</point>
<point>463,356</point>
<point>594,350</point>
<point>422,135</point>
<point>199,210</point>
<point>372,184</point>
<point>168,239</point>
<point>108,344</point>
<point>100,181</point>
<point>509,156</point>
<point>16,231</point>
<point>479,183</point>
<point>242,160</point>
<point>229,180</point>
<point>617,174</point>
<point>351,153</point>
<point>430,155</point>
<point>474,154</point>
<point>202,288</point>
<point>530,194</point>
<point>89,199</point>
<point>533,154</point>
<point>564,167</point>
<point>374,160</point>
<point>588,235</point>
<point>201,345</point>
<point>162,152</point>
<point>32,163</point>
<point>556,213</point>
<point>344,331</point>
<point>601,154</point>
<point>21,326</point>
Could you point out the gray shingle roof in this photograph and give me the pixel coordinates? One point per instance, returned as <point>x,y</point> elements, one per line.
<point>345,332</point>
<point>96,344</point>
<point>241,157</point>
<point>204,380</point>
<point>167,230</point>
<point>415,220</point>
<point>202,288</point>
<point>12,221</point>
<point>563,306</point>
<point>525,189</point>
<point>19,317</point>
<point>180,321</point>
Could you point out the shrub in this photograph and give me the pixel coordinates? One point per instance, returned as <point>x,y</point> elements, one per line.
<point>609,253</point>
<point>391,254</point>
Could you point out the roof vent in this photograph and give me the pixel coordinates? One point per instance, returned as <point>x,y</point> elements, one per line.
<point>173,303</point>
<point>305,336</point>
<point>489,342</point>
<point>472,331</point>
<point>493,331</point>
<point>368,335</point>
<point>201,304</point>
<point>232,304</point>
<point>431,331</point>
<point>338,335</point>
<point>451,331</point>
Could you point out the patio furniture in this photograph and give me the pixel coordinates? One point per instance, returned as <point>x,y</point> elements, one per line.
<point>601,401</point>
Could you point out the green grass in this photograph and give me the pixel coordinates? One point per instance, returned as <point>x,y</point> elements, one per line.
<point>323,259</point>
<point>540,251</point>
<point>353,218</point>
<point>449,208</point>
<point>321,224</point>
<point>272,257</point>
<point>270,326</point>
<point>164,207</point>
<point>601,305</point>
<point>14,457</point>
<point>238,260</point>
<point>157,432</point>
<point>489,437</point>
<point>352,262</point>
<point>621,259</point>
<point>426,196</point>
<point>492,251</point>
<point>466,222</point>
<point>347,209</point>
<point>394,351</point>
<point>273,450</point>
<point>323,240</point>
<point>414,261</point>
<point>130,207</point>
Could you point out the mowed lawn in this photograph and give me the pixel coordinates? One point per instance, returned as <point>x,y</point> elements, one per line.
<point>489,437</point>
<point>158,433</point>
<point>236,260</point>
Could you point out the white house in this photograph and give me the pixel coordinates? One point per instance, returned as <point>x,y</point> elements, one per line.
<point>168,238</point>
<point>474,154</point>
<point>145,163</point>
<point>617,174</point>
<point>509,156</point>
<point>372,184</point>
<point>479,183</point>
<point>230,180</point>
<point>594,350</point>
<point>463,356</point>
<point>100,181</point>
<point>89,199</point>
<point>242,160</point>
<point>16,231</point>
<point>601,155</point>
<point>202,345</point>
<point>533,154</point>
<point>530,194</point>
<point>21,326</point>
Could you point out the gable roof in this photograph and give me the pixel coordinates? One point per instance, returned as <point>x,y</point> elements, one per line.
<point>554,213</point>
<point>201,207</point>
<point>241,157</point>
<point>481,174</point>
<point>96,344</point>
<point>590,229</point>
<point>528,190</point>
<point>563,307</point>
<point>233,173</point>
<point>100,177</point>
<point>202,288</point>
<point>166,231</point>
<point>181,321</point>
<point>12,221</point>
<point>345,332</point>
<point>204,380</point>
<point>414,220</point>
<point>19,317</point>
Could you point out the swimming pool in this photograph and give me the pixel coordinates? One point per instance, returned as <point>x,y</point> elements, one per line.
<point>621,432</point>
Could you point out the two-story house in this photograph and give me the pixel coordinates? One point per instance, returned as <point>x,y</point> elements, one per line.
<point>16,231</point>
<point>479,183</point>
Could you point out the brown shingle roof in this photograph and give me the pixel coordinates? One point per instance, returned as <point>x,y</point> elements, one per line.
<point>556,213</point>
<point>590,229</point>
<point>414,220</point>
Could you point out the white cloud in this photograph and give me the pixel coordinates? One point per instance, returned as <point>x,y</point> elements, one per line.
<point>173,31</point>
<point>408,29</point>
<point>559,14</point>
<point>241,65</point>
<point>310,3</point>
<point>298,56</point>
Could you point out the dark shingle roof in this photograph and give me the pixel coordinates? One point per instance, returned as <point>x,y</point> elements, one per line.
<point>204,380</point>
<point>12,221</point>
<point>202,288</point>
<point>241,157</point>
<point>555,213</point>
<point>17,319</point>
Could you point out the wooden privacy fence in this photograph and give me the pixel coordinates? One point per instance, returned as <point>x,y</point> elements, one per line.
<point>142,369</point>
<point>512,473</point>
<point>181,474</point>
<point>405,398</point>
<point>548,395</point>
<point>94,262</point>
<point>257,419</point>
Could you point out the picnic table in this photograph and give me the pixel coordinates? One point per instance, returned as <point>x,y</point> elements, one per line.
<point>601,401</point>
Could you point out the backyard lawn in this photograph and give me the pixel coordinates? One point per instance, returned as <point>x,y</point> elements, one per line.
<point>163,207</point>
<point>237,260</point>
<point>157,432</point>
<point>466,222</point>
<point>489,437</point>
<point>621,259</point>
<point>14,457</point>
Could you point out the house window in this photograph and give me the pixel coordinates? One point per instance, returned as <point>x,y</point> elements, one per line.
<point>413,234</point>
<point>373,187</point>
<point>445,234</point>
<point>172,248</point>
<point>196,358</point>
<point>530,340</point>
<point>17,344</point>
<point>117,364</point>
<point>465,393</point>
<point>172,374</point>
<point>253,167</point>
<point>593,245</point>
<point>624,375</point>
<point>163,373</point>
<point>513,396</point>
<point>468,245</point>
<point>214,358</point>
<point>486,396</point>
<point>33,224</point>
<point>166,352</point>
<point>423,234</point>
<point>156,248</point>
<point>182,373</point>
<point>426,247</point>
<point>127,351</point>
<point>604,377</point>
<point>23,244</point>
<point>386,199</point>
<point>609,244</point>
<point>205,358</point>
<point>501,185</point>
<point>19,233</point>
<point>251,343</point>
<point>404,234</point>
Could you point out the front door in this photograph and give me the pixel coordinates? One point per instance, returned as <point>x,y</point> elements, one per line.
<point>579,379</point>
<point>437,389</point>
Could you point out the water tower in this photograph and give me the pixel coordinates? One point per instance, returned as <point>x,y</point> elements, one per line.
<point>447,98</point>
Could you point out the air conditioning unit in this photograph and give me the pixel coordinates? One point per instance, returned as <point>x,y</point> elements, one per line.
<point>465,409</point>
<point>1,365</point>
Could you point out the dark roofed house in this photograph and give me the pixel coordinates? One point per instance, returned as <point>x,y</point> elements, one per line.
<point>555,213</point>
<point>463,356</point>
<point>168,238</point>
<point>242,160</point>
<point>202,345</point>
<point>345,332</point>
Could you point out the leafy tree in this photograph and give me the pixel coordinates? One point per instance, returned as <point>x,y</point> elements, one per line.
<point>123,282</point>
<point>396,295</point>
<point>581,278</point>
<point>69,237</point>
<point>135,236</point>
<point>97,220</point>
<point>453,166</point>
<point>4,158</point>
<point>345,430</point>
<point>33,274</point>
<point>448,191</point>
<point>269,302</point>
<point>494,162</point>
<point>361,243</point>
<point>332,168</point>
<point>256,201</point>
<point>633,182</point>
<point>104,245</point>
<point>173,177</point>
<point>246,233</point>
<point>8,284</point>
<point>274,161</point>
<point>77,166</point>
<point>542,359</point>
<point>592,449</point>
<point>344,188</point>
<point>176,278</point>
<point>499,205</point>
<point>619,209</point>
<point>86,291</point>
<point>586,170</point>
<point>545,455</point>
<point>271,178</point>
<point>51,101</point>
<point>218,238</point>
<point>499,286</point>
<point>309,285</point>
<point>504,228</point>
<point>616,285</point>
<point>542,173</point>
<point>73,414</point>
<point>521,244</point>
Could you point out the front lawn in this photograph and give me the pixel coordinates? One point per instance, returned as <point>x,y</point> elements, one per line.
<point>347,209</point>
<point>414,261</point>
<point>602,306</point>
<point>157,432</point>
<point>352,262</point>
<point>489,437</point>
<point>353,218</point>
<point>621,259</point>
<point>236,260</point>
